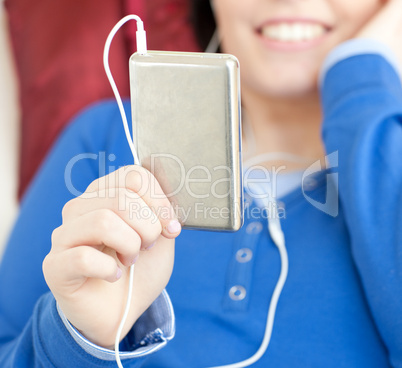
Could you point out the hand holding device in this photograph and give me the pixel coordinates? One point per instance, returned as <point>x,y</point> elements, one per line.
<point>100,238</point>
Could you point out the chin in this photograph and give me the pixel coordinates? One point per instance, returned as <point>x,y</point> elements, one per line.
<point>288,88</point>
<point>283,82</point>
<point>293,92</point>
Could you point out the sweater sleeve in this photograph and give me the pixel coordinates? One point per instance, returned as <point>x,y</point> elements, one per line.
<point>362,102</point>
<point>32,331</point>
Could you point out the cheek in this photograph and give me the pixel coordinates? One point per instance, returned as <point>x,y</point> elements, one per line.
<point>233,20</point>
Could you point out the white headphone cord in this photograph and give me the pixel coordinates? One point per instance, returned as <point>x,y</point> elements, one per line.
<point>274,226</point>
<point>277,236</point>
<point>141,49</point>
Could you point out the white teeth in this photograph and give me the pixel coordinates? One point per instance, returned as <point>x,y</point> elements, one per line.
<point>293,32</point>
<point>298,32</point>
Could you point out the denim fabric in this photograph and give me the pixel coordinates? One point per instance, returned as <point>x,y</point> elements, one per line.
<point>148,337</point>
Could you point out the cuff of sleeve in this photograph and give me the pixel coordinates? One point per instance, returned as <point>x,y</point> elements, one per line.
<point>149,334</point>
<point>355,47</point>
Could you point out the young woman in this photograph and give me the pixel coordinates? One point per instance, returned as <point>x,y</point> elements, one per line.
<point>342,302</point>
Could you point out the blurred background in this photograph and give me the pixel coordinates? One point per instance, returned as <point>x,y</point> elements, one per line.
<point>9,127</point>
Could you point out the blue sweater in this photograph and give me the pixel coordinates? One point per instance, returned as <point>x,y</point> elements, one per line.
<point>342,303</point>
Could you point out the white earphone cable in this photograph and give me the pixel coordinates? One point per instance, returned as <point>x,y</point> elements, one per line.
<point>141,49</point>
<point>277,236</point>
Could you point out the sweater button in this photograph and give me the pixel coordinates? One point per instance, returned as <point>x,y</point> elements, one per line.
<point>237,292</point>
<point>254,228</point>
<point>244,255</point>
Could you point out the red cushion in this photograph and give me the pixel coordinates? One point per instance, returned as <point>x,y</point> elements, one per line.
<point>58,48</point>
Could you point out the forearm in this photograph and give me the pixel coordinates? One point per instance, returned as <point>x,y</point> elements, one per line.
<point>362,101</point>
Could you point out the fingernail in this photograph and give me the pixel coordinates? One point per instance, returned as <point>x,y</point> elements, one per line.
<point>173,227</point>
<point>151,245</point>
<point>119,273</point>
<point>135,259</point>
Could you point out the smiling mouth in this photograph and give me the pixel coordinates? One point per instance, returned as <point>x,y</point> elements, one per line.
<point>293,32</point>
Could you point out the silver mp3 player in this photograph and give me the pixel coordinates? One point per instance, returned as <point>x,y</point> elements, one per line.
<point>186,127</point>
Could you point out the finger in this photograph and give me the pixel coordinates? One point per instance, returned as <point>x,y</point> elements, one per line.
<point>142,182</point>
<point>78,263</point>
<point>126,204</point>
<point>386,22</point>
<point>99,228</point>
